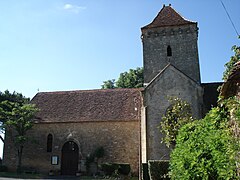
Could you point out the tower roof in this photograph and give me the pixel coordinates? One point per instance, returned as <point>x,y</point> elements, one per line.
<point>168,17</point>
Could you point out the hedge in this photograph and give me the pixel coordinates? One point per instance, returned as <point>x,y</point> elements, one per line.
<point>3,168</point>
<point>120,168</point>
<point>108,168</point>
<point>158,169</point>
<point>124,169</point>
<point>145,174</point>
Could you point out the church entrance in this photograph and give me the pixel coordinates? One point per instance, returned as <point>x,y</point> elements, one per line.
<point>69,161</point>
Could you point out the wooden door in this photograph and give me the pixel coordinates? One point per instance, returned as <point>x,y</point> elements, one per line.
<point>69,161</point>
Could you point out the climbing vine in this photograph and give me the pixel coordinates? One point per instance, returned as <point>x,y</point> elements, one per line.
<point>177,115</point>
<point>234,59</point>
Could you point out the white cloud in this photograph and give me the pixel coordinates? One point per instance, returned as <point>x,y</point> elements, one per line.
<point>73,8</point>
<point>67,6</point>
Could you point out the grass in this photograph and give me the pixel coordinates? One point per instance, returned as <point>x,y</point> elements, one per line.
<point>40,176</point>
<point>111,178</point>
<point>22,176</point>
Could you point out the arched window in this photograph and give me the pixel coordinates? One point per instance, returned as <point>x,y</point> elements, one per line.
<point>169,51</point>
<point>49,142</point>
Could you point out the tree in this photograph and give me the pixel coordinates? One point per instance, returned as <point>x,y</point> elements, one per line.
<point>205,148</point>
<point>177,115</point>
<point>18,120</point>
<point>11,97</point>
<point>109,84</point>
<point>234,59</point>
<point>131,79</point>
<point>209,148</point>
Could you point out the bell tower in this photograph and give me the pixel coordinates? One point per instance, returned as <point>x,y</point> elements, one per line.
<point>170,38</point>
<point>171,69</point>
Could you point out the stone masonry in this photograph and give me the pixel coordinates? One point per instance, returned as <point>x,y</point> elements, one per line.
<point>182,39</point>
<point>119,139</point>
<point>171,68</point>
<point>123,121</point>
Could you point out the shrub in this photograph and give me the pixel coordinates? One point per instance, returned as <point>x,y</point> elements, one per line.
<point>124,169</point>
<point>120,168</point>
<point>89,160</point>
<point>109,168</point>
<point>230,64</point>
<point>3,168</point>
<point>205,149</point>
<point>158,169</point>
<point>99,152</point>
<point>145,174</point>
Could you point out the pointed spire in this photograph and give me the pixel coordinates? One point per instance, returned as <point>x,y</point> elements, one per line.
<point>168,17</point>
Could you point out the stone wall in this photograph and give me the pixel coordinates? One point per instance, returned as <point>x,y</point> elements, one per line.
<point>170,83</point>
<point>183,43</point>
<point>120,140</point>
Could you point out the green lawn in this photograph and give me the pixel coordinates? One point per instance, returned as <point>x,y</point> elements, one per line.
<point>39,176</point>
<point>22,176</point>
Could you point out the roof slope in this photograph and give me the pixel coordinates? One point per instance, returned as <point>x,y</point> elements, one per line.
<point>168,17</point>
<point>88,105</point>
<point>169,65</point>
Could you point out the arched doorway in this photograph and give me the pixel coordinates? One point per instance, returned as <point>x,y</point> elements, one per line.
<point>69,161</point>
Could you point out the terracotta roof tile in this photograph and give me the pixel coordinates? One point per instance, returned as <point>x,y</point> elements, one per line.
<point>88,105</point>
<point>168,17</point>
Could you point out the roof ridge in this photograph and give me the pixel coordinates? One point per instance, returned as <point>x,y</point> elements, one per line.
<point>89,90</point>
<point>164,69</point>
<point>182,15</point>
<point>168,16</point>
<point>153,79</point>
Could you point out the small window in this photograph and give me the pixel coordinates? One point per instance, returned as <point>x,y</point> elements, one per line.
<point>169,51</point>
<point>49,142</point>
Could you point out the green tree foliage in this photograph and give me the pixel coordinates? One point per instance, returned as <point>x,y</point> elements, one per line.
<point>209,148</point>
<point>17,118</point>
<point>13,97</point>
<point>131,79</point>
<point>234,59</point>
<point>109,84</point>
<point>177,115</point>
<point>206,148</point>
<point>10,97</point>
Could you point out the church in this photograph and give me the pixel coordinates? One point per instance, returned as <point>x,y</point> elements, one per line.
<point>70,125</point>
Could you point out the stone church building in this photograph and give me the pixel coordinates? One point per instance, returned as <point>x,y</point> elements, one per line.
<point>72,124</point>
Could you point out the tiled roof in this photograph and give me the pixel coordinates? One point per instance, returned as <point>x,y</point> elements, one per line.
<point>88,105</point>
<point>168,17</point>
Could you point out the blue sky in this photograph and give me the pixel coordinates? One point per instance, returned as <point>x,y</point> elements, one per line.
<point>77,44</point>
